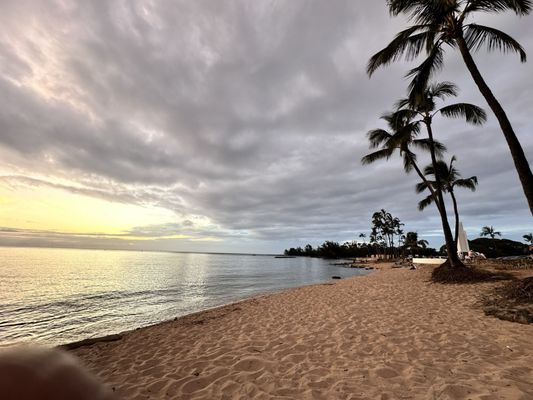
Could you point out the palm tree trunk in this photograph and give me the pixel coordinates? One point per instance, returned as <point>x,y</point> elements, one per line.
<point>519,158</point>
<point>423,177</point>
<point>448,238</point>
<point>456,212</point>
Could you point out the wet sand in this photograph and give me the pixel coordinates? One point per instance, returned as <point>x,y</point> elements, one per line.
<point>389,335</point>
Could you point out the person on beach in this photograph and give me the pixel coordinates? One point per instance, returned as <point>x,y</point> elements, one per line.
<point>36,373</point>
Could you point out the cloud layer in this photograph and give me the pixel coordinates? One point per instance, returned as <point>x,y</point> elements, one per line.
<point>251,116</point>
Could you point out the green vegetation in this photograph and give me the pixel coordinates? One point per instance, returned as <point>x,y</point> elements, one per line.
<point>385,228</point>
<point>498,247</point>
<point>385,233</point>
<point>413,244</point>
<point>437,24</point>
<point>493,248</point>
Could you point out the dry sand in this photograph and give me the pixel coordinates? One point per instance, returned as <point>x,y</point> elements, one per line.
<point>389,335</point>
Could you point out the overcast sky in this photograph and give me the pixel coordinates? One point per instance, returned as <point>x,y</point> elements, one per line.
<point>229,125</point>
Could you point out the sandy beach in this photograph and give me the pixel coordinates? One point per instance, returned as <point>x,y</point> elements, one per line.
<point>389,335</point>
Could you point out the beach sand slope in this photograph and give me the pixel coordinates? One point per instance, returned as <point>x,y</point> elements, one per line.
<point>389,335</point>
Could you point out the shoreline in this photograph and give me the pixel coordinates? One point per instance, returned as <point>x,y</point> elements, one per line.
<point>115,336</point>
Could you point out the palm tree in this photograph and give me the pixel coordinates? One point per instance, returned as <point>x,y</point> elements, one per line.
<point>401,138</point>
<point>412,242</point>
<point>363,236</point>
<point>528,238</point>
<point>444,22</point>
<point>424,107</point>
<point>423,243</point>
<point>385,226</point>
<point>450,178</point>
<point>489,231</point>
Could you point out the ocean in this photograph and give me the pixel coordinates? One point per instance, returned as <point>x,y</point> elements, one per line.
<point>56,296</point>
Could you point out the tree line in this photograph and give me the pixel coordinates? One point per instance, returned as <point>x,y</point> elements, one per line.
<point>386,240</point>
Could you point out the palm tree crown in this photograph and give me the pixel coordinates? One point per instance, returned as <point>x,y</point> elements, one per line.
<point>489,231</point>
<point>424,105</point>
<point>439,23</point>
<point>450,179</point>
<point>401,137</point>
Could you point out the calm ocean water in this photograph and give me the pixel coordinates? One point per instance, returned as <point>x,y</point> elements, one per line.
<point>55,296</point>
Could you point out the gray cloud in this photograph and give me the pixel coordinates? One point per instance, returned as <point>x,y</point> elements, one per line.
<point>252,115</point>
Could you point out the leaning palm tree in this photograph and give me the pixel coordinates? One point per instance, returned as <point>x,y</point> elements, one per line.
<point>422,109</point>
<point>450,178</point>
<point>489,231</point>
<point>437,23</point>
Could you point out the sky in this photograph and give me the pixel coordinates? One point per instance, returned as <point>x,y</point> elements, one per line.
<point>230,126</point>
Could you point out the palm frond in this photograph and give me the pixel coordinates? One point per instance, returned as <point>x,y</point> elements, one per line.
<point>440,148</point>
<point>425,144</point>
<point>403,116</point>
<point>424,203</point>
<point>377,136</point>
<point>423,11</point>
<point>408,159</point>
<point>468,183</point>
<point>405,44</point>
<point>423,186</point>
<point>477,36</point>
<point>470,112</point>
<point>402,104</point>
<point>377,155</point>
<point>443,90</point>
<point>442,169</point>
<point>520,7</point>
<point>454,159</point>
<point>423,73</point>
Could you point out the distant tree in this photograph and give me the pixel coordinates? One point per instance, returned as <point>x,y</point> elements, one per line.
<point>489,231</point>
<point>450,178</point>
<point>386,227</point>
<point>308,250</point>
<point>413,243</point>
<point>528,238</point>
<point>376,241</point>
<point>401,240</point>
<point>330,249</point>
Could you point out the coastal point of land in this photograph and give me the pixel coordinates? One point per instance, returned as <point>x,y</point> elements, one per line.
<point>389,335</point>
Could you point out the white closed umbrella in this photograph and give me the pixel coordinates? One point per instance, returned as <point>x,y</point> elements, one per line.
<point>462,240</point>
